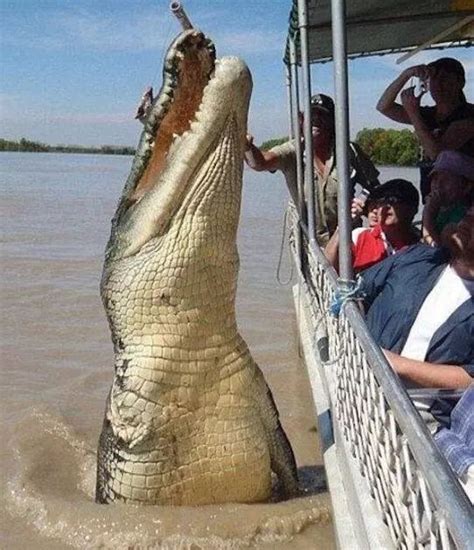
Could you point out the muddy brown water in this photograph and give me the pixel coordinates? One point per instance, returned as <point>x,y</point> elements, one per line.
<point>56,368</point>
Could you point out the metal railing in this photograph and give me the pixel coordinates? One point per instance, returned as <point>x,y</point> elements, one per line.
<point>417,494</point>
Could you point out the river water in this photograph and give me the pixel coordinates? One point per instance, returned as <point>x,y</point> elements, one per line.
<point>57,368</point>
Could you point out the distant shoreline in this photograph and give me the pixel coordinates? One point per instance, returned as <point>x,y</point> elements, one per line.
<point>384,146</point>
<point>27,146</point>
<point>99,152</point>
<point>88,152</point>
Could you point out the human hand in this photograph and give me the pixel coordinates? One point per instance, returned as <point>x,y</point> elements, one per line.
<point>418,71</point>
<point>410,101</point>
<point>382,213</point>
<point>248,141</point>
<point>357,209</point>
<point>394,360</point>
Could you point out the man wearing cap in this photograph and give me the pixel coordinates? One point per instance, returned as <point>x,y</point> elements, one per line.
<point>449,124</point>
<point>396,203</point>
<point>283,157</point>
<point>452,193</point>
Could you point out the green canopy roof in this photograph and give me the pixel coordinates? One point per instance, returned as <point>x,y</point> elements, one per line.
<point>376,27</point>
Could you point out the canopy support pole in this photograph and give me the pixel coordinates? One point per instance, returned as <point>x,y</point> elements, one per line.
<point>296,130</point>
<point>339,41</point>
<point>308,140</point>
<point>296,134</point>
<point>289,98</point>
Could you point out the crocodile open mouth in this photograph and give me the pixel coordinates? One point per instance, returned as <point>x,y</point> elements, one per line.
<point>188,67</point>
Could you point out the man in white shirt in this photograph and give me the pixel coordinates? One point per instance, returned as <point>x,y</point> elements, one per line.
<point>283,158</point>
<point>420,309</point>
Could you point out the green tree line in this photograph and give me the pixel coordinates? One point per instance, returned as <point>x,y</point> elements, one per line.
<point>384,146</point>
<point>26,146</point>
<point>395,147</point>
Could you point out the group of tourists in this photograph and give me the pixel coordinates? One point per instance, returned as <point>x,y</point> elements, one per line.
<point>417,284</point>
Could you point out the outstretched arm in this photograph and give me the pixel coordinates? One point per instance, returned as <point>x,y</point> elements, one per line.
<point>429,375</point>
<point>259,160</point>
<point>411,104</point>
<point>387,104</point>
<point>331,250</point>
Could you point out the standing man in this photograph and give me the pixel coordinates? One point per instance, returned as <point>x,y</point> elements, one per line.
<point>448,124</point>
<point>283,157</point>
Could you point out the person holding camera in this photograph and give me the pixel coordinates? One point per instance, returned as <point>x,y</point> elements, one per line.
<point>448,124</point>
<point>395,203</point>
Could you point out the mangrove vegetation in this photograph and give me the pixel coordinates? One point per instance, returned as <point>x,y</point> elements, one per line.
<point>384,146</point>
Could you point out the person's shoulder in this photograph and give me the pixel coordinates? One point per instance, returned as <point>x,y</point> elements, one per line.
<point>421,252</point>
<point>357,232</point>
<point>468,110</point>
<point>285,148</point>
<point>284,156</point>
<point>461,113</point>
<point>415,259</point>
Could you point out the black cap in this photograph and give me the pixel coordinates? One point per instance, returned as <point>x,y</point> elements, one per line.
<point>449,65</point>
<point>323,102</point>
<point>400,189</point>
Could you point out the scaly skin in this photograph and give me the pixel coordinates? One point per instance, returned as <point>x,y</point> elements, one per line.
<point>189,419</point>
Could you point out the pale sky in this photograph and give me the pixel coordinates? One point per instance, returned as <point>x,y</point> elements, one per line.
<point>73,72</point>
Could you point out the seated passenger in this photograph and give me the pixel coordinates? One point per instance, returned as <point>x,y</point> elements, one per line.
<point>457,442</point>
<point>420,309</point>
<point>283,157</point>
<point>395,203</point>
<point>452,187</point>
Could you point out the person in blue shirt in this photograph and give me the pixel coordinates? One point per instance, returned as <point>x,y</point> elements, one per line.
<point>457,442</point>
<point>420,309</point>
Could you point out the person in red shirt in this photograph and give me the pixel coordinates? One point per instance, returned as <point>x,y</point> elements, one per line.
<point>395,204</point>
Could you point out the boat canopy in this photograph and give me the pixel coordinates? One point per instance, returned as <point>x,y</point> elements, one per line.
<point>392,25</point>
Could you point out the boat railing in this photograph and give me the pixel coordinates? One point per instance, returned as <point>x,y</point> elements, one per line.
<point>418,498</point>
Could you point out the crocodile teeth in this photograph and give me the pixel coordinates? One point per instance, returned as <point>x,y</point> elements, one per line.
<point>194,125</point>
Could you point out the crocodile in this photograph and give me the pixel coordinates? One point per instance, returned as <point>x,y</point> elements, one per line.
<point>189,418</point>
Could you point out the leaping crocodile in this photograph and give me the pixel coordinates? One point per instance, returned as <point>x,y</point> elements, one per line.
<point>189,418</point>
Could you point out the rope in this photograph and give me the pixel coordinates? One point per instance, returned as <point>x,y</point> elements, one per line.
<point>278,273</point>
<point>343,295</point>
